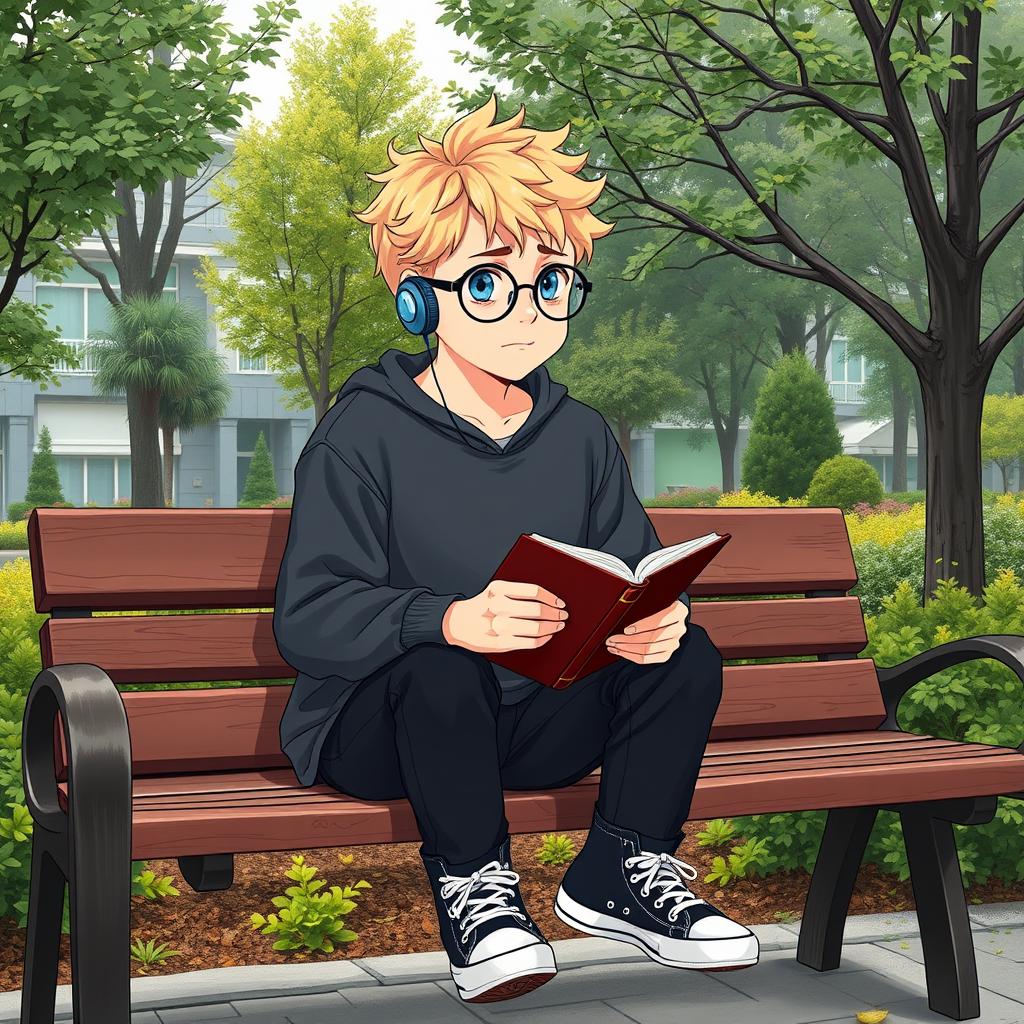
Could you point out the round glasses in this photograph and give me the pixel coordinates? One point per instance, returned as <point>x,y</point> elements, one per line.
<point>488,292</point>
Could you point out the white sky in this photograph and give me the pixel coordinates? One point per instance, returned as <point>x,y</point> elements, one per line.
<point>432,45</point>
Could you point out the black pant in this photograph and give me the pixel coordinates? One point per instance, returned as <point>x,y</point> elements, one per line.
<point>430,727</point>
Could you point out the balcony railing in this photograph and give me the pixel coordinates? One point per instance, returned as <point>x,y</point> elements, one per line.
<point>846,390</point>
<point>86,359</point>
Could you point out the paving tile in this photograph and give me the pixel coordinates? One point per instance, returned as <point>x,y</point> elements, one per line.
<point>190,1014</point>
<point>1009,940</point>
<point>594,1012</point>
<point>327,1002</point>
<point>402,968</point>
<point>422,1003</point>
<point>145,1017</point>
<point>878,927</point>
<point>998,915</point>
<point>605,983</point>
<point>780,981</point>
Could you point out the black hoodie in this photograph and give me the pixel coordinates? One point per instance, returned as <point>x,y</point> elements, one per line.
<point>395,516</point>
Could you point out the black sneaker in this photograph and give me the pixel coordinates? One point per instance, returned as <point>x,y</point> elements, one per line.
<point>618,890</point>
<point>495,949</point>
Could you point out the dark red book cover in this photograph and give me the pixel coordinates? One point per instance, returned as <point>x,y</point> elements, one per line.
<point>599,603</point>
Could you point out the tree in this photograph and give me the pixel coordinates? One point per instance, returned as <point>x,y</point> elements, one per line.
<point>901,86</point>
<point>29,348</point>
<point>303,292</point>
<point>260,485</point>
<point>1002,431</point>
<point>203,398</point>
<point>150,351</point>
<point>793,430</point>
<point>622,372</point>
<point>84,106</point>
<point>43,481</point>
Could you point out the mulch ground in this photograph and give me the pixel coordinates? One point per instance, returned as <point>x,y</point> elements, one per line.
<point>397,915</point>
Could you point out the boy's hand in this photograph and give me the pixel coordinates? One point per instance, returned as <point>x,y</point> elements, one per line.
<point>652,638</point>
<point>504,616</point>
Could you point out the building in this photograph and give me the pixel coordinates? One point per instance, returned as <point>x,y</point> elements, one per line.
<point>90,431</point>
<point>667,454</point>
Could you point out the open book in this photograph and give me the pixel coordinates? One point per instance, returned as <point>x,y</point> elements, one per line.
<point>602,596</point>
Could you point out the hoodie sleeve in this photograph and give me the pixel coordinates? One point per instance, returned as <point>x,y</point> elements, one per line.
<point>618,521</point>
<point>334,614</point>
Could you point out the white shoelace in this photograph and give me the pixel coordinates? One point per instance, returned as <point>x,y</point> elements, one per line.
<point>491,905</point>
<point>663,871</point>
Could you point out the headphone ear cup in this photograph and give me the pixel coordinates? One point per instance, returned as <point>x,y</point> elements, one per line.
<point>416,304</point>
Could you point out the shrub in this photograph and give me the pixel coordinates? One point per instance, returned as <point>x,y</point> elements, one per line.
<point>307,920</point>
<point>687,497</point>
<point>43,480</point>
<point>743,498</point>
<point>975,701</point>
<point>885,507</point>
<point>556,850</point>
<point>842,482</point>
<point>260,485</point>
<point>793,429</point>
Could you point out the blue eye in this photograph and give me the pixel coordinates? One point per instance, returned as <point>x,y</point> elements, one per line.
<point>549,285</point>
<point>481,285</point>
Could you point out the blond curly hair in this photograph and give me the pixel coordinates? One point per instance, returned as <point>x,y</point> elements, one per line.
<point>513,176</point>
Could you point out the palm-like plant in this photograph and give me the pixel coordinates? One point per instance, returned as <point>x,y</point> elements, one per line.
<point>155,347</point>
<point>204,401</point>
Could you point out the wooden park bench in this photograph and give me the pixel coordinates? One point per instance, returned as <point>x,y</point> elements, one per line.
<point>198,774</point>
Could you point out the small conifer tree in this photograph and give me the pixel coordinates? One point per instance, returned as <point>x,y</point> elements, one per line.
<point>43,479</point>
<point>792,432</point>
<point>260,486</point>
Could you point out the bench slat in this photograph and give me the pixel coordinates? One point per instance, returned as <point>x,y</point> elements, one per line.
<point>238,812</point>
<point>161,559</point>
<point>222,729</point>
<point>209,647</point>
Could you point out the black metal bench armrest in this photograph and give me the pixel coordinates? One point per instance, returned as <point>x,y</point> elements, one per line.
<point>99,751</point>
<point>897,679</point>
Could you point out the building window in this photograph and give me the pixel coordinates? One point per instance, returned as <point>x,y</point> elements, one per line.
<point>104,479</point>
<point>248,432</point>
<point>79,309</point>
<point>251,364</point>
<point>847,373</point>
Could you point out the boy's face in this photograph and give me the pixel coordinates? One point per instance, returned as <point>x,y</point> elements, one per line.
<point>519,342</point>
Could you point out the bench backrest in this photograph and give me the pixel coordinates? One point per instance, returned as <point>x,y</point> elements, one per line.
<point>91,560</point>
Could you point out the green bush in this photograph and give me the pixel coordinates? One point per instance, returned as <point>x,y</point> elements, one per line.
<point>977,701</point>
<point>793,430</point>
<point>43,481</point>
<point>556,850</point>
<point>260,485</point>
<point>309,921</point>
<point>882,567</point>
<point>842,482</point>
<point>687,497</point>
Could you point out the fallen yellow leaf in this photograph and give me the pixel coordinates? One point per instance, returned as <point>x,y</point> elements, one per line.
<point>872,1016</point>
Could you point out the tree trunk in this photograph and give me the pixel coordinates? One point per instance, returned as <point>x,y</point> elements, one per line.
<point>922,440</point>
<point>143,423</point>
<point>624,432</point>
<point>168,435</point>
<point>900,427</point>
<point>954,542</point>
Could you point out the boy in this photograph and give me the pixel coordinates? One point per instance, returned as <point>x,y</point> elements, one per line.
<point>408,494</point>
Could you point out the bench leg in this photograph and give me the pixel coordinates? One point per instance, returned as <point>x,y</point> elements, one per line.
<point>209,872</point>
<point>946,939</point>
<point>828,897</point>
<point>42,937</point>
<point>100,899</point>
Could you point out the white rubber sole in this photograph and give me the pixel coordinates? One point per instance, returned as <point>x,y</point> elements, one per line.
<point>695,954</point>
<point>506,975</point>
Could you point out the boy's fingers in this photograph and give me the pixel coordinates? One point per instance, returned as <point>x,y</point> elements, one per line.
<point>531,590</point>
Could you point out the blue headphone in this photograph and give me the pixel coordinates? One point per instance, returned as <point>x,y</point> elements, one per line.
<point>417,309</point>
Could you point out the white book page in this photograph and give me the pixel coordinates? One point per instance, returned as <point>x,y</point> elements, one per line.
<point>649,564</point>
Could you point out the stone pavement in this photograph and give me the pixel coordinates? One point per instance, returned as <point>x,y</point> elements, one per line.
<point>599,982</point>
